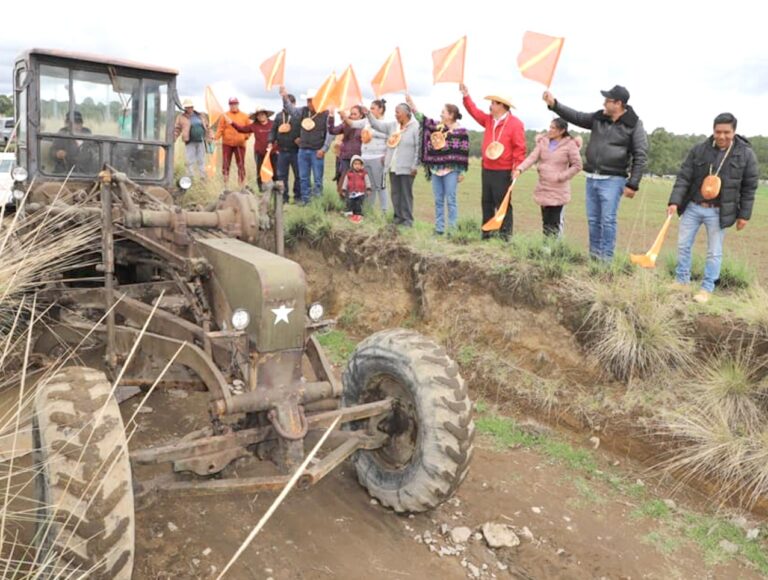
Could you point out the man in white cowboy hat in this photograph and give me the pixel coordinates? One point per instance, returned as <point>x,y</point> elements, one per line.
<point>195,131</point>
<point>503,151</point>
<point>261,127</point>
<point>314,143</point>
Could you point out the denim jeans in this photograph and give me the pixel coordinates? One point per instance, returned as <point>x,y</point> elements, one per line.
<point>603,196</point>
<point>444,188</point>
<point>310,164</point>
<point>285,161</point>
<point>694,217</point>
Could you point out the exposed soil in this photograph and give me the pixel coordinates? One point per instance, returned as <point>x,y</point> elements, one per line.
<point>334,530</point>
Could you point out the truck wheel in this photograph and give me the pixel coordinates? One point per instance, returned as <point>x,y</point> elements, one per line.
<point>430,428</point>
<point>85,516</point>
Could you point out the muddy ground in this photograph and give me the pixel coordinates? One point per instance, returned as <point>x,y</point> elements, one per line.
<point>335,531</point>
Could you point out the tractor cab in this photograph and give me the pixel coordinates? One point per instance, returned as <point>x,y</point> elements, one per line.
<point>77,112</point>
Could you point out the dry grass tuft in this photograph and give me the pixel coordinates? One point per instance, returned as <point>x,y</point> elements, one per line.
<point>632,326</point>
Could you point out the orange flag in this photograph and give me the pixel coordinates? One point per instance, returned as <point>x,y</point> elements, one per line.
<point>323,98</point>
<point>212,106</point>
<point>346,92</point>
<point>537,60</point>
<point>448,62</point>
<point>267,172</point>
<point>390,78</point>
<point>495,222</point>
<point>210,167</point>
<point>648,260</point>
<point>274,70</point>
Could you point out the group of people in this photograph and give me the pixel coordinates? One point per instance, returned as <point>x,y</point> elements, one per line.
<point>715,187</point>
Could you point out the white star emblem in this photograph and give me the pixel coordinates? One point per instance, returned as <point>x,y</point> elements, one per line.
<point>282,313</point>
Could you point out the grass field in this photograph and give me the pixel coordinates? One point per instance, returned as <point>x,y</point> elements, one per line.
<point>639,218</point>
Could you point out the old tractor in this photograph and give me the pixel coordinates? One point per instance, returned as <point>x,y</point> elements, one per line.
<point>193,287</point>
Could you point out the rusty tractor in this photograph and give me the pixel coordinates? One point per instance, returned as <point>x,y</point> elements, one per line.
<point>193,286</point>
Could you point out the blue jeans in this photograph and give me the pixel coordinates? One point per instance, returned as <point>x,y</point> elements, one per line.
<point>444,188</point>
<point>603,196</point>
<point>310,164</point>
<point>694,217</point>
<point>285,161</point>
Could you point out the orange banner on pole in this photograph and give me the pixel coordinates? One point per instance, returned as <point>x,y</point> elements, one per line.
<point>212,106</point>
<point>267,172</point>
<point>323,99</point>
<point>346,93</point>
<point>538,58</point>
<point>448,62</point>
<point>273,70</point>
<point>648,260</point>
<point>391,77</point>
<point>495,222</point>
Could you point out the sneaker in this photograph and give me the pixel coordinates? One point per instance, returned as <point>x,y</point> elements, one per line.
<point>356,219</point>
<point>679,287</point>
<point>347,213</point>
<point>702,297</point>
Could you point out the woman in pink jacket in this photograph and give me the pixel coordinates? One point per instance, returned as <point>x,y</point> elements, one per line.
<point>557,154</point>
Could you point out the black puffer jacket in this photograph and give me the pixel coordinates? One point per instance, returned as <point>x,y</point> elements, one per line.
<point>615,148</point>
<point>739,177</point>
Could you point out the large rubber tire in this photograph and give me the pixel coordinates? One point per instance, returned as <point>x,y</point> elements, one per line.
<point>431,430</point>
<point>86,517</point>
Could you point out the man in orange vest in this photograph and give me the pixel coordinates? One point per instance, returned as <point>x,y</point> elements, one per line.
<point>233,142</point>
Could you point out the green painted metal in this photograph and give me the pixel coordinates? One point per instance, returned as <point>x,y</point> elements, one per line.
<point>271,288</point>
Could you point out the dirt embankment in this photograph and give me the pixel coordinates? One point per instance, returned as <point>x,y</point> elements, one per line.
<point>516,334</point>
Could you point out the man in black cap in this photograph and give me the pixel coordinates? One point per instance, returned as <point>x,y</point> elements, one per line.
<point>616,158</point>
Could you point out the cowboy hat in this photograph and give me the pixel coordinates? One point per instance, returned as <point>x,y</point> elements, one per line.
<point>188,103</point>
<point>504,100</point>
<point>260,109</point>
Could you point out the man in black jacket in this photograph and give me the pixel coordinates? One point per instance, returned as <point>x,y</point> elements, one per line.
<point>715,188</point>
<point>285,133</point>
<point>616,158</point>
<point>314,143</point>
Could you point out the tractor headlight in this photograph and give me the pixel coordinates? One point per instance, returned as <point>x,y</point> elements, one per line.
<point>241,319</point>
<point>18,194</point>
<point>316,312</point>
<point>19,174</point>
<point>185,182</point>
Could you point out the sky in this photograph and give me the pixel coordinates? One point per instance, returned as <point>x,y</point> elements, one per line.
<point>683,62</point>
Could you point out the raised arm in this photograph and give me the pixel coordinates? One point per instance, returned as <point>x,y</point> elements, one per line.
<point>377,125</point>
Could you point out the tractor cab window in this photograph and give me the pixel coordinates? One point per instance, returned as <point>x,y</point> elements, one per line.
<point>107,102</point>
<point>155,110</point>
<point>54,98</point>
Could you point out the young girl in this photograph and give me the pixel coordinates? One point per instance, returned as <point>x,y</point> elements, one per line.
<point>559,161</point>
<point>354,187</point>
<point>350,143</point>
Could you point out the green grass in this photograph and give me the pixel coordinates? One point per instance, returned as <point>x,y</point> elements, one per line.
<point>350,314</point>
<point>505,432</point>
<point>708,532</point>
<point>337,345</point>
<point>639,219</point>
<point>735,274</point>
<point>654,508</point>
<point>664,543</point>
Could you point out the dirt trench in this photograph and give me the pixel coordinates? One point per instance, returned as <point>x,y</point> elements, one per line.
<point>517,335</point>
